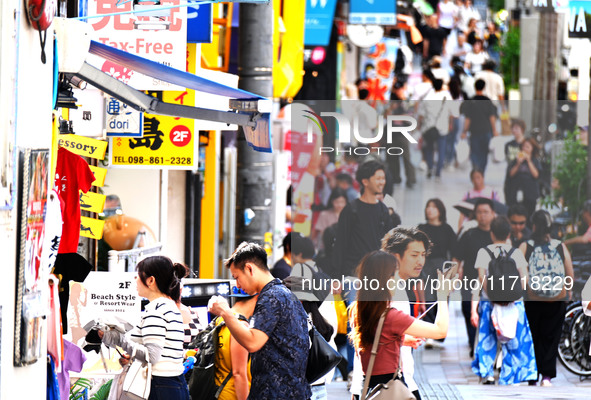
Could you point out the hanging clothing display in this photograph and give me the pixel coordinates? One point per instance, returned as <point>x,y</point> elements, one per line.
<point>72,174</point>
<point>53,390</point>
<point>69,267</point>
<point>54,326</point>
<point>53,233</point>
<point>74,359</point>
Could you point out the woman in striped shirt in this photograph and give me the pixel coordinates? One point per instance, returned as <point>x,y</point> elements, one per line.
<point>159,335</point>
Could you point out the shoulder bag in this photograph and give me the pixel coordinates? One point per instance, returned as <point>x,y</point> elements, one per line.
<point>137,378</point>
<point>322,357</point>
<point>394,389</point>
<point>432,133</point>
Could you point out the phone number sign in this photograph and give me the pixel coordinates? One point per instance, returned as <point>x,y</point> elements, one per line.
<point>167,142</point>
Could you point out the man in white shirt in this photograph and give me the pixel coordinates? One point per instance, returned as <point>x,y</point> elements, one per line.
<point>462,48</point>
<point>436,111</point>
<point>494,87</point>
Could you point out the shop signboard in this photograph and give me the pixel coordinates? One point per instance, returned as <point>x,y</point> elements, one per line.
<point>99,174</point>
<point>159,35</point>
<point>108,296</point>
<point>318,25</point>
<point>374,12</point>
<point>83,146</point>
<point>200,23</point>
<point>550,5</point>
<point>91,228</point>
<point>167,142</point>
<point>92,202</point>
<point>122,120</point>
<point>579,19</point>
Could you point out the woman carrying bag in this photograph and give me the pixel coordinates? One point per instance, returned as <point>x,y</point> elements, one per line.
<point>372,318</point>
<point>158,338</point>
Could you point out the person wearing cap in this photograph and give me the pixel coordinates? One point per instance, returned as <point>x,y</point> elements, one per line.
<point>586,237</point>
<point>277,337</point>
<point>230,356</point>
<point>282,268</point>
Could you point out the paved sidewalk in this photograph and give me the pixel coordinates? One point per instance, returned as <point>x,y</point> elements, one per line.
<point>446,373</point>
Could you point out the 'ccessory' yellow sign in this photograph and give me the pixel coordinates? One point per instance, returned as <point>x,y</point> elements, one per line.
<point>83,146</point>
<point>168,142</point>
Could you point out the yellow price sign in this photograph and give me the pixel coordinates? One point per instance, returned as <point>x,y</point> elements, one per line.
<point>92,202</point>
<point>168,142</point>
<point>91,228</point>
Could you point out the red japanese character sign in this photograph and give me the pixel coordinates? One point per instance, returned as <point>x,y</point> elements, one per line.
<point>159,35</point>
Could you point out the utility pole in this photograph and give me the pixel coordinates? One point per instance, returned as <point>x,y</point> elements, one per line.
<point>546,80</point>
<point>255,186</point>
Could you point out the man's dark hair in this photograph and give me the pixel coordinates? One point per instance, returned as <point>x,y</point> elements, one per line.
<point>483,200</point>
<point>517,209</point>
<point>489,65</point>
<point>302,245</point>
<point>476,171</point>
<point>367,170</point>
<point>437,84</point>
<point>519,122</point>
<point>248,252</point>
<point>479,85</point>
<point>397,240</point>
<point>500,227</point>
<point>344,177</point>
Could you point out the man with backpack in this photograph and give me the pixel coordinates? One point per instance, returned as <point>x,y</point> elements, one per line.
<point>363,222</point>
<point>277,338</point>
<point>498,310</point>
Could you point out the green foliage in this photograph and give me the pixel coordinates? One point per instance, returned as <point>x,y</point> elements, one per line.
<point>509,49</point>
<point>78,388</point>
<point>496,5</point>
<point>571,174</point>
<point>103,392</point>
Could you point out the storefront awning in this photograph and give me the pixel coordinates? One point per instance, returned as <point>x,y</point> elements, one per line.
<point>249,110</point>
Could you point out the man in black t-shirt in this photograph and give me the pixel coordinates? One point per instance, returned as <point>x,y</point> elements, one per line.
<point>363,222</point>
<point>481,119</point>
<point>434,37</point>
<point>465,253</point>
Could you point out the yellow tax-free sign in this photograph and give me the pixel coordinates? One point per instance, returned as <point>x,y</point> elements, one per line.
<point>168,142</point>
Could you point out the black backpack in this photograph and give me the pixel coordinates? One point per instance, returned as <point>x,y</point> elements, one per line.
<point>503,280</point>
<point>202,381</point>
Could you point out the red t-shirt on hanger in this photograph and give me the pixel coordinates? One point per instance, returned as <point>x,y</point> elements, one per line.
<point>72,174</point>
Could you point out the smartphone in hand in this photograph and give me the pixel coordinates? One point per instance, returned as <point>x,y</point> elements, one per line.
<point>449,269</point>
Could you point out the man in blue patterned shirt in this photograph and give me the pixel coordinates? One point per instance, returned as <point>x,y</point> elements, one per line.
<point>278,336</point>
